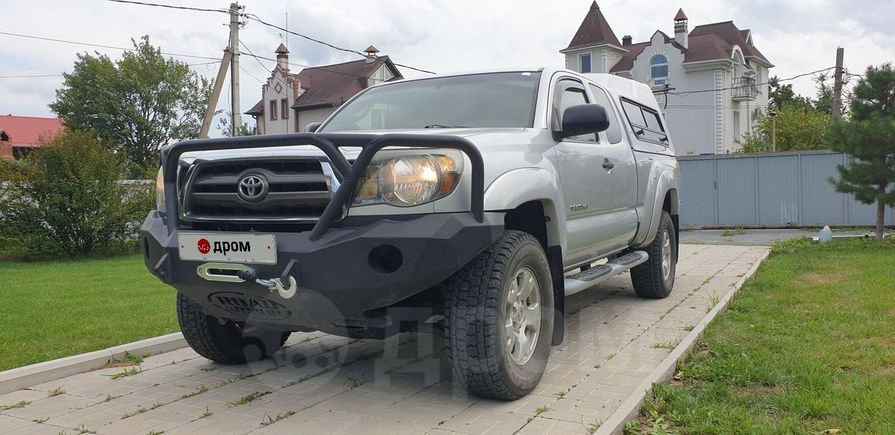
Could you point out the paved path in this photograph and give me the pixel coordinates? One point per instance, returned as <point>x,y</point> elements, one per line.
<point>327,384</point>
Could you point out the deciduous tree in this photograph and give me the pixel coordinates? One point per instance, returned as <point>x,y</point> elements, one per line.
<point>134,104</point>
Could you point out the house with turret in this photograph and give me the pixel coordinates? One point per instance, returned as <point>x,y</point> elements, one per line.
<point>711,81</point>
<point>290,101</point>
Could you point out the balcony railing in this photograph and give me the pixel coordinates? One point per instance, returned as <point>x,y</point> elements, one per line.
<point>744,88</point>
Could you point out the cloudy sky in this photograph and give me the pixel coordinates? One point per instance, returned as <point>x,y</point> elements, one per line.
<point>444,36</point>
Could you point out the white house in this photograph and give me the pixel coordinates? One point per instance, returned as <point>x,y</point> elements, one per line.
<point>289,101</point>
<point>711,81</point>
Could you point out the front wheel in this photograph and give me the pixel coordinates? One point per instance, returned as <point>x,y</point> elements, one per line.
<point>654,279</point>
<point>225,341</point>
<point>499,318</point>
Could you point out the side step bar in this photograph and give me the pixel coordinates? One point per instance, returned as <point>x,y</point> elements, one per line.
<point>598,274</point>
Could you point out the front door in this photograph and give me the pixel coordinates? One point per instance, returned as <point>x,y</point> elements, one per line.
<point>598,179</point>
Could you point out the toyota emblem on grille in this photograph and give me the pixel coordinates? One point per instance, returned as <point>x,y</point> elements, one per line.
<point>252,187</point>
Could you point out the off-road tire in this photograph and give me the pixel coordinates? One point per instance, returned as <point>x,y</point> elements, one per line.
<point>648,278</point>
<point>226,342</point>
<point>475,315</point>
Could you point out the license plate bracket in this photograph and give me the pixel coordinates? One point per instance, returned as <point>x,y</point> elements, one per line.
<point>247,248</point>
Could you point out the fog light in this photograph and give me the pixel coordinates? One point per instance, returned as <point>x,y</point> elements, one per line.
<point>385,258</point>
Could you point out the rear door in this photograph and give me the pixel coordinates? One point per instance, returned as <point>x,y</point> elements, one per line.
<point>597,177</point>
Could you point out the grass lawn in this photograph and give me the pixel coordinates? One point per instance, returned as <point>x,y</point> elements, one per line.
<point>61,308</point>
<point>807,346</point>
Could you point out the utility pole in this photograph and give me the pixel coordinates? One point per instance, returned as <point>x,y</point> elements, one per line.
<point>236,114</point>
<point>773,132</point>
<point>215,94</point>
<point>837,85</point>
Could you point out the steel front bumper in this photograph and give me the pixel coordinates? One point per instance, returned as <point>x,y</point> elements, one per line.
<point>340,275</point>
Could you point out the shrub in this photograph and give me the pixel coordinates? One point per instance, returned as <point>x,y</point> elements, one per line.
<point>66,199</point>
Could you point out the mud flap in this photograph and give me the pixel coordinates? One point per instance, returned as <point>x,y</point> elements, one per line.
<point>554,257</point>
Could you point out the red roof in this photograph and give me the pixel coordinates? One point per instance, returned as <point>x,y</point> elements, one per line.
<point>28,131</point>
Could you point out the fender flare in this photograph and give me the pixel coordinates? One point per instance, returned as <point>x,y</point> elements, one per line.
<point>519,186</point>
<point>514,188</point>
<point>665,182</point>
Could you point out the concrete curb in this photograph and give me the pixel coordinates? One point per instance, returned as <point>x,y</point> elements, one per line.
<point>629,409</point>
<point>22,377</point>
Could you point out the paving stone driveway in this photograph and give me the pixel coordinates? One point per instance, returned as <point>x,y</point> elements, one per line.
<point>326,384</point>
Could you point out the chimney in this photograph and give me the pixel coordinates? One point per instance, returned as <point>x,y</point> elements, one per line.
<point>626,40</point>
<point>283,57</point>
<point>371,52</point>
<point>680,28</point>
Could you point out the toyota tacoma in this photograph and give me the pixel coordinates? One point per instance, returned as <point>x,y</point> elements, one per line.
<point>466,205</point>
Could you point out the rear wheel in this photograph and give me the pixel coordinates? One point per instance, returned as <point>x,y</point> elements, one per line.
<point>225,341</point>
<point>654,279</point>
<point>499,318</point>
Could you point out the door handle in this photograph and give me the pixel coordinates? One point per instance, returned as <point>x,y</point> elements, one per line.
<point>607,165</point>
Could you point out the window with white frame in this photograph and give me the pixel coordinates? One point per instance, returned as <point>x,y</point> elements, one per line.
<point>381,75</point>
<point>584,63</point>
<point>658,70</point>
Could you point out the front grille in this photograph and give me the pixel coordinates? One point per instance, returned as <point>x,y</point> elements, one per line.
<point>295,190</point>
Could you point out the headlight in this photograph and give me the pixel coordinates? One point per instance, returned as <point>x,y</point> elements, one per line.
<point>410,180</point>
<point>160,191</point>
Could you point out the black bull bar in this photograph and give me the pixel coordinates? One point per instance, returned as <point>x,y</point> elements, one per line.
<point>349,175</point>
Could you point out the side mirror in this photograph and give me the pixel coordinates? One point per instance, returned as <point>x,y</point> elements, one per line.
<point>312,127</point>
<point>583,119</point>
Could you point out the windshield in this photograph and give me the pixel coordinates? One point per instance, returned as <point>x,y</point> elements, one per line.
<point>497,100</point>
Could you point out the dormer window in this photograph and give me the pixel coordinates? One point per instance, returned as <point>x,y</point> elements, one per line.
<point>584,63</point>
<point>659,70</point>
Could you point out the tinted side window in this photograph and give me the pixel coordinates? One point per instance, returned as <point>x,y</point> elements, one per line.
<point>614,132</point>
<point>572,96</point>
<point>645,122</point>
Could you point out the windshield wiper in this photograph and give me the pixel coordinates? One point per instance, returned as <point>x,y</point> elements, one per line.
<point>444,126</point>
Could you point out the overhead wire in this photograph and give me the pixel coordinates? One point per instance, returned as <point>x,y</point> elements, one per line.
<point>30,76</point>
<point>160,5</point>
<point>112,47</point>
<point>258,19</point>
<point>699,91</point>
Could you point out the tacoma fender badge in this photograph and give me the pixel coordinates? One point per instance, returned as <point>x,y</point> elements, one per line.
<point>582,206</point>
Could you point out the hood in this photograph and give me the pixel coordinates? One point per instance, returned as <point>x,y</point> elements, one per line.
<point>478,136</point>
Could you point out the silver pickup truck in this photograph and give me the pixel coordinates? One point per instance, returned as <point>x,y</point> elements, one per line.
<point>464,205</point>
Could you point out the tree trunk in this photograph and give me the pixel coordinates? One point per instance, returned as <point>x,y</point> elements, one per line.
<point>880,214</point>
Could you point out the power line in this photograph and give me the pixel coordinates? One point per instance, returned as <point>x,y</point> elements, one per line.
<point>699,91</point>
<point>324,68</point>
<point>87,44</point>
<point>250,74</point>
<point>414,68</point>
<point>31,76</point>
<point>188,8</point>
<point>259,20</point>
<point>39,76</point>
<point>252,54</point>
<point>333,46</point>
<point>204,63</point>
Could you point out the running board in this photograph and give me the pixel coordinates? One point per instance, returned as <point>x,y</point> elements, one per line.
<point>598,274</point>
